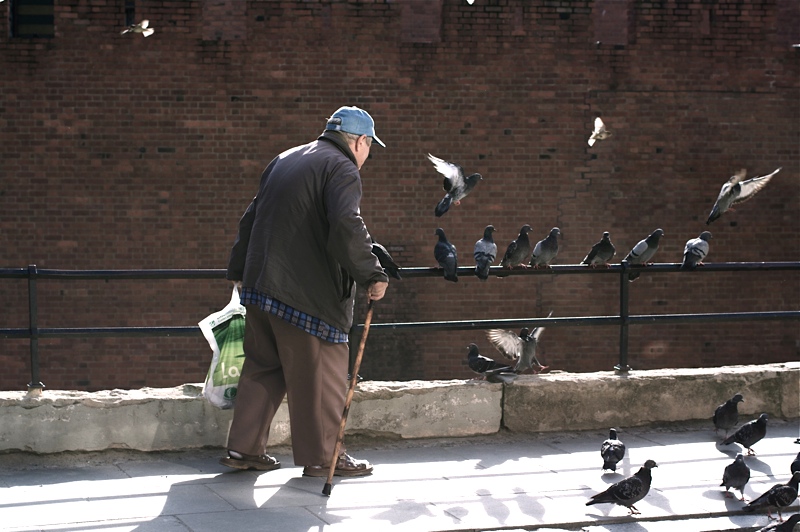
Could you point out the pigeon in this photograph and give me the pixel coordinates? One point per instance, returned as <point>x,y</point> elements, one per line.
<point>795,467</point>
<point>643,252</point>
<point>445,254</point>
<point>600,132</point>
<point>726,415</point>
<point>387,263</point>
<point>695,251</point>
<point>484,365</point>
<point>629,491</point>
<point>612,450</point>
<point>518,250</point>
<point>485,253</point>
<point>546,250</point>
<point>787,526</point>
<point>141,27</point>
<point>778,496</point>
<point>455,184</point>
<point>736,476</point>
<point>520,348</point>
<point>736,191</point>
<point>749,434</point>
<point>601,253</point>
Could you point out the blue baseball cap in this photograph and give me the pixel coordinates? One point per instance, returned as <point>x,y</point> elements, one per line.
<point>353,120</point>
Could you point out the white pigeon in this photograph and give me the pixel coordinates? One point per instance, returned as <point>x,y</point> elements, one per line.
<point>695,251</point>
<point>600,132</point>
<point>141,27</point>
<point>736,191</point>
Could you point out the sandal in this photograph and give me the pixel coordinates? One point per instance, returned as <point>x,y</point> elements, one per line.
<point>346,466</point>
<point>246,461</point>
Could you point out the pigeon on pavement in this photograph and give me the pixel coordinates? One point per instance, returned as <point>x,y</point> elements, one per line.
<point>777,497</point>
<point>601,253</point>
<point>600,132</point>
<point>520,348</point>
<point>484,365</point>
<point>629,491</point>
<point>387,263</point>
<point>485,253</point>
<point>518,250</point>
<point>736,191</point>
<point>141,27</point>
<point>642,252</point>
<point>726,415</point>
<point>736,476</point>
<point>612,450</point>
<point>787,526</point>
<point>695,251</point>
<point>795,467</point>
<point>749,434</point>
<point>546,250</point>
<point>455,184</point>
<point>445,254</point>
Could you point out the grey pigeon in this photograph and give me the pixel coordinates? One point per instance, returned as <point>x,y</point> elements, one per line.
<point>749,434</point>
<point>777,497</point>
<point>629,491</point>
<point>546,250</point>
<point>612,450</point>
<point>601,253</point>
<point>736,191</point>
<point>695,251</point>
<point>795,467</point>
<point>142,27</point>
<point>455,184</point>
<point>445,254</point>
<point>787,526</point>
<point>726,415</point>
<point>736,476</point>
<point>518,250</point>
<point>484,365</point>
<point>387,263</point>
<point>599,132</point>
<point>520,348</point>
<point>485,252</point>
<point>642,252</point>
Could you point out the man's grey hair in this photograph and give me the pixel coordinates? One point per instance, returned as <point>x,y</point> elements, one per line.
<point>351,137</point>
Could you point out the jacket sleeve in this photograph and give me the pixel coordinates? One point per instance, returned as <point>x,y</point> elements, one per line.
<point>239,251</point>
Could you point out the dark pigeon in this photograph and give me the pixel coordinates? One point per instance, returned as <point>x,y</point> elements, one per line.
<point>445,254</point>
<point>455,184</point>
<point>601,253</point>
<point>749,434</point>
<point>795,467</point>
<point>612,450</point>
<point>695,251</point>
<point>642,252</point>
<point>777,497</point>
<point>736,191</point>
<point>518,250</point>
<point>736,476</point>
<point>387,263</point>
<point>519,348</point>
<point>485,252</point>
<point>484,365</point>
<point>726,416</point>
<point>786,526</point>
<point>629,491</point>
<point>546,249</point>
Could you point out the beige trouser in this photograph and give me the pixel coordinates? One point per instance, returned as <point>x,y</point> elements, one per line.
<point>283,360</point>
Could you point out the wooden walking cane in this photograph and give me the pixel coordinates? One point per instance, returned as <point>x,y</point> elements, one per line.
<point>326,490</point>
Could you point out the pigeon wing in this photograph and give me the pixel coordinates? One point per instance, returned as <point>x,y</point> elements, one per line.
<point>508,343</point>
<point>453,174</point>
<point>749,188</point>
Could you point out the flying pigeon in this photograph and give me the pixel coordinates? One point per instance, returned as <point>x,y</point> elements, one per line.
<point>520,348</point>
<point>795,467</point>
<point>600,132</point>
<point>695,251</point>
<point>726,415</point>
<point>749,434</point>
<point>455,184</point>
<point>546,250</point>
<point>485,253</point>
<point>601,253</point>
<point>484,365</point>
<point>445,254</point>
<point>787,526</point>
<point>736,191</point>
<point>141,27</point>
<point>518,250</point>
<point>778,496</point>
<point>387,263</point>
<point>612,450</point>
<point>629,491</point>
<point>643,252</point>
<point>736,476</point>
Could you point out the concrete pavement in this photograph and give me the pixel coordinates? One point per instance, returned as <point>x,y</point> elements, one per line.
<point>500,482</point>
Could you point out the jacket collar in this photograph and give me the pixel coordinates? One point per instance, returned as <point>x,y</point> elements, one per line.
<point>339,142</point>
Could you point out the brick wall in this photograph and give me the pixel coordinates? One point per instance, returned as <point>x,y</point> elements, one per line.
<point>118,151</point>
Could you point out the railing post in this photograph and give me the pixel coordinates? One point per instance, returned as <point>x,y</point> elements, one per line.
<point>623,366</point>
<point>35,386</point>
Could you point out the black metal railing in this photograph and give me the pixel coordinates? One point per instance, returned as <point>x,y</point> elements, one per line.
<point>623,320</point>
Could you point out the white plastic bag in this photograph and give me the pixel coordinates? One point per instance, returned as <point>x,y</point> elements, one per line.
<point>224,331</point>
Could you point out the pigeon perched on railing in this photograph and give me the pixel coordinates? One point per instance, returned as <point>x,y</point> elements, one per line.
<point>695,251</point>
<point>546,249</point>
<point>454,184</point>
<point>629,491</point>
<point>445,254</point>
<point>777,497</point>
<point>601,253</point>
<point>387,263</point>
<point>612,450</point>
<point>485,252</point>
<point>787,526</point>
<point>599,132</point>
<point>520,348</point>
<point>141,27</point>
<point>642,252</point>
<point>736,191</point>
<point>518,250</point>
<point>726,415</point>
<point>749,434</point>
<point>736,476</point>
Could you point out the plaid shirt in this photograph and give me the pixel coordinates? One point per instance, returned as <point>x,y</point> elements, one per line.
<point>309,324</point>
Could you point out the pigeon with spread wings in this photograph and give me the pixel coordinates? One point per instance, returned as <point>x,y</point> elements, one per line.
<point>455,184</point>
<point>520,348</point>
<point>736,191</point>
